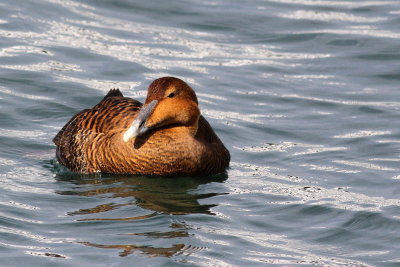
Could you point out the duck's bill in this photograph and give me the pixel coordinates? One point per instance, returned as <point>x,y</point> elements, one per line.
<point>139,124</point>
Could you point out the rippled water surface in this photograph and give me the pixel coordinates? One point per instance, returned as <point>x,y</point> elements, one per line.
<point>304,93</point>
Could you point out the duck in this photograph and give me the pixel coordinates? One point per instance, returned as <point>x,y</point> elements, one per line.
<point>167,135</point>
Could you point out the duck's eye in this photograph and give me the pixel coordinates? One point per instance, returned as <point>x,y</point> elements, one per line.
<point>171,95</point>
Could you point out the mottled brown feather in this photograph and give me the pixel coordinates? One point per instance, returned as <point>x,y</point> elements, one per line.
<point>92,140</point>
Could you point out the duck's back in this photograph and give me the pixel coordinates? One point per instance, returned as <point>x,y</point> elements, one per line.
<point>79,138</point>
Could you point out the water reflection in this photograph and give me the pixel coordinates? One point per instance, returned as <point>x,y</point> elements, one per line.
<point>158,196</point>
<point>151,251</point>
<point>172,195</point>
<point>179,231</point>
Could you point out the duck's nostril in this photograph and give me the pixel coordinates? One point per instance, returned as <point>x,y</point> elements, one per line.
<point>142,124</point>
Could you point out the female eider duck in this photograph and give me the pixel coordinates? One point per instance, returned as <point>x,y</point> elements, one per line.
<point>164,136</point>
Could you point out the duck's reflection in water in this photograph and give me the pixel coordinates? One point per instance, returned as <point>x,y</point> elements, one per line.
<point>151,251</point>
<point>157,195</point>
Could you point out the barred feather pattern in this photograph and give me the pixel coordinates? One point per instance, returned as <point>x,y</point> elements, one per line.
<point>92,141</point>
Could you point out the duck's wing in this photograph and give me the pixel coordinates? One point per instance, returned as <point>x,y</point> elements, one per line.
<point>219,159</point>
<point>64,140</point>
<point>114,112</point>
<point>205,132</point>
<point>68,126</point>
<point>79,119</point>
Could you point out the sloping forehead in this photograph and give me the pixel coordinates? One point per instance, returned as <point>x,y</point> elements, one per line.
<point>158,88</point>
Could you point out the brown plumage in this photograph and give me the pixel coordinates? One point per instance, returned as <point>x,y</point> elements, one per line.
<point>166,135</point>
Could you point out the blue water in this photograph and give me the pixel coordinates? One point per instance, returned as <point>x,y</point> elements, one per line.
<point>305,95</point>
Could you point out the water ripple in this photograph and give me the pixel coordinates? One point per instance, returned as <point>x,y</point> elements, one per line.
<point>342,4</point>
<point>322,196</point>
<point>135,218</point>
<point>364,165</point>
<point>388,104</point>
<point>363,133</point>
<point>22,95</point>
<point>330,16</point>
<point>46,254</point>
<point>176,249</point>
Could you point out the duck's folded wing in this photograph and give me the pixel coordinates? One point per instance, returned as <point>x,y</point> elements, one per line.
<point>71,124</point>
<point>205,132</point>
<point>114,112</point>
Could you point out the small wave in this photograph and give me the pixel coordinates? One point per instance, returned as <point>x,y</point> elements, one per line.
<point>135,218</point>
<point>363,133</point>
<point>330,16</point>
<point>342,4</point>
<point>175,249</point>
<point>364,165</point>
<point>46,254</point>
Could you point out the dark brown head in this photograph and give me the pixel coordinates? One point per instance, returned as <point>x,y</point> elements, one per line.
<point>170,102</point>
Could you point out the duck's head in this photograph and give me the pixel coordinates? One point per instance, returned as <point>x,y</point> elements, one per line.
<point>171,103</point>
